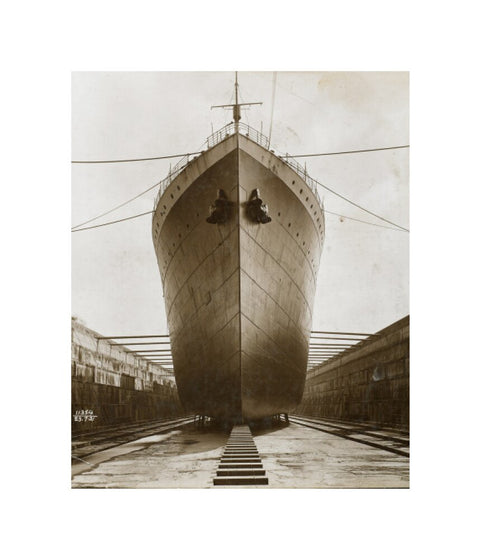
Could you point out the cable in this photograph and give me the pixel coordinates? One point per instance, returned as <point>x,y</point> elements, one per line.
<point>111,222</point>
<point>117,207</point>
<point>314,180</point>
<point>199,152</point>
<point>141,159</point>
<point>358,206</point>
<point>274,86</point>
<point>367,222</point>
<point>288,91</point>
<point>146,213</point>
<point>245,109</point>
<point>344,152</point>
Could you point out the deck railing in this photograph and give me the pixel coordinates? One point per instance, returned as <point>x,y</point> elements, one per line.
<point>221,135</point>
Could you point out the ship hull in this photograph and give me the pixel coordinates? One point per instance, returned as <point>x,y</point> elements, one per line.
<point>239,295</point>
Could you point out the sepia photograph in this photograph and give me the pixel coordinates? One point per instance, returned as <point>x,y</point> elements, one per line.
<point>240,280</point>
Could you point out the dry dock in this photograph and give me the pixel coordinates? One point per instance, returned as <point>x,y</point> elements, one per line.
<point>293,456</point>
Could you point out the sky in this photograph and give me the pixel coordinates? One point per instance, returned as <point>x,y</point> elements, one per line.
<point>363,283</point>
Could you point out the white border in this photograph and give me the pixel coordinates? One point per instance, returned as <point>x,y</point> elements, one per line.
<point>44,43</point>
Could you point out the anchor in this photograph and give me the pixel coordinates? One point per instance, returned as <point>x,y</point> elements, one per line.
<point>220,209</point>
<point>257,211</point>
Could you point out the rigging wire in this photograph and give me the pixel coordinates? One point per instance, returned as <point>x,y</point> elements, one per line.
<point>245,109</point>
<point>282,156</point>
<point>259,74</point>
<point>360,207</point>
<point>117,207</point>
<point>111,222</point>
<point>141,158</point>
<point>366,222</point>
<point>274,87</point>
<point>146,213</point>
<point>345,152</point>
<point>396,226</point>
<point>316,181</point>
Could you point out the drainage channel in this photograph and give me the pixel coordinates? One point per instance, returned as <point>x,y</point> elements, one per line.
<point>240,463</point>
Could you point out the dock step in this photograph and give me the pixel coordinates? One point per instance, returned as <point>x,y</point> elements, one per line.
<point>245,472</point>
<point>237,459</point>
<point>240,463</point>
<point>237,465</point>
<point>262,480</point>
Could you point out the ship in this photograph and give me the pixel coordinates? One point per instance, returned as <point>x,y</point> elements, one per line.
<point>238,232</point>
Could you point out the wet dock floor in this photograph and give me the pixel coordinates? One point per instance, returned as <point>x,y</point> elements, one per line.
<point>293,456</point>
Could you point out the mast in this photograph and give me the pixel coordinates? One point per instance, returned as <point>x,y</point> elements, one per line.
<point>235,106</point>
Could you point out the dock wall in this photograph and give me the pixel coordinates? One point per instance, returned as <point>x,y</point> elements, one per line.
<point>111,386</point>
<point>368,383</point>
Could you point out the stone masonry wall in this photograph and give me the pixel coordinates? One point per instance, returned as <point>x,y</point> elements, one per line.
<point>114,385</point>
<point>369,383</point>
